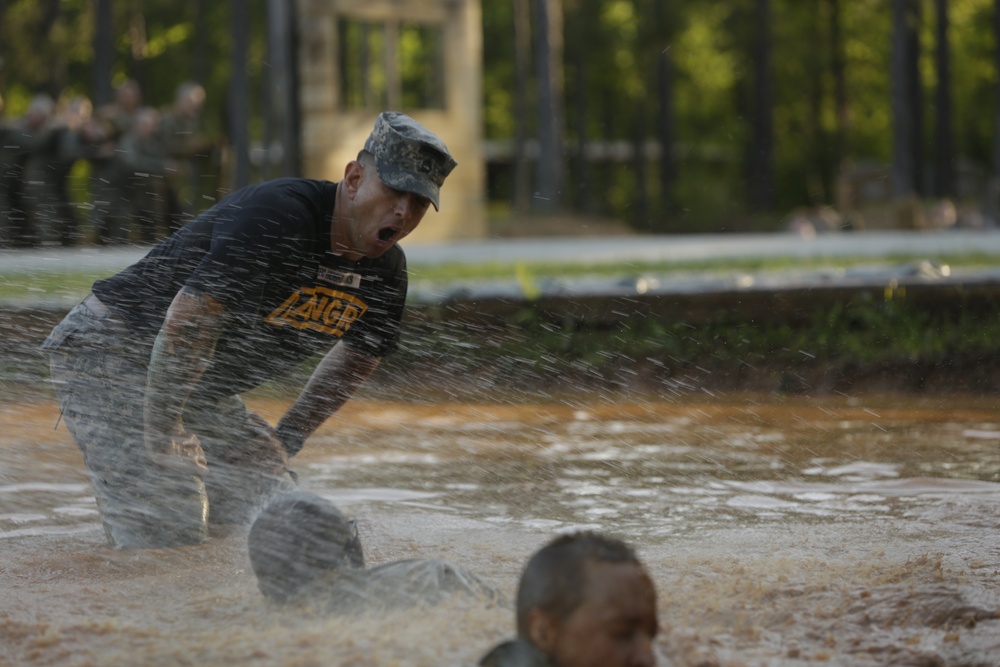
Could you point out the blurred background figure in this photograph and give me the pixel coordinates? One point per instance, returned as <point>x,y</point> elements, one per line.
<point>107,171</point>
<point>183,136</point>
<point>10,179</point>
<point>24,138</point>
<point>54,151</point>
<point>121,114</point>
<point>146,169</point>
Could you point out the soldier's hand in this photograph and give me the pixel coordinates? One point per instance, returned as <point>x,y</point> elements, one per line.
<point>264,448</point>
<point>178,452</point>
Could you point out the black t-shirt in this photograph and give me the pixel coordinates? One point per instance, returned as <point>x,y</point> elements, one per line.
<point>264,253</point>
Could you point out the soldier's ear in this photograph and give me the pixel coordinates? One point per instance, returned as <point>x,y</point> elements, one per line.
<point>354,176</point>
<point>542,630</point>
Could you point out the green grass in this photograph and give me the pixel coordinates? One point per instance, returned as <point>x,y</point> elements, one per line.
<point>474,272</point>
<point>863,345</point>
<point>25,288</point>
<point>67,285</point>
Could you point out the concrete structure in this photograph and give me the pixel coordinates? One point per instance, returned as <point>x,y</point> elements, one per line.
<point>356,58</point>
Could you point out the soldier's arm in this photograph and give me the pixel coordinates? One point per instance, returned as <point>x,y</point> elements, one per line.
<point>181,354</point>
<point>337,376</point>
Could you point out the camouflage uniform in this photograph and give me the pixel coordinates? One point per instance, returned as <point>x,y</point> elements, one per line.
<point>20,141</point>
<point>109,215</point>
<point>399,585</point>
<point>12,159</point>
<point>51,156</point>
<point>144,169</point>
<point>515,653</point>
<point>98,371</point>
<point>304,550</point>
<point>183,136</point>
<point>264,254</point>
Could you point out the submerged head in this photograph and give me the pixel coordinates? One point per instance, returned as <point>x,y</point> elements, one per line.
<point>297,538</point>
<point>585,599</point>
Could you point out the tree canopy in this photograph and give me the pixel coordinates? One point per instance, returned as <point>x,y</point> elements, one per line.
<point>638,78</point>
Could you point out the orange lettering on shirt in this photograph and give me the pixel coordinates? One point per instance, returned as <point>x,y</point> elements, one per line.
<point>318,309</point>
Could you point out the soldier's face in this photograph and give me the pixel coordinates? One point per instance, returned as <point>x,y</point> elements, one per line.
<point>379,216</point>
<point>614,626</point>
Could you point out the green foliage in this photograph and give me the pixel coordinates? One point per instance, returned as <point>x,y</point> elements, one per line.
<point>867,334</point>
<point>156,42</point>
<point>613,51</point>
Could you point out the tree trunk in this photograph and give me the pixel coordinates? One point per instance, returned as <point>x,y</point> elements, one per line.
<point>993,192</point>
<point>761,163</point>
<point>3,54</point>
<point>641,207</point>
<point>841,150</point>
<point>584,176</point>
<point>548,59</point>
<point>902,118</point>
<point>916,89</point>
<point>239,93</point>
<point>666,116</point>
<point>201,42</point>
<point>104,52</point>
<point>944,146</point>
<point>281,89</point>
<point>522,56</point>
<point>819,166</point>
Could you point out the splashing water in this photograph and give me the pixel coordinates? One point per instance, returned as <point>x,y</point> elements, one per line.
<point>778,531</point>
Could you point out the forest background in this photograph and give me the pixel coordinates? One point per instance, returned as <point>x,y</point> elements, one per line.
<point>696,116</point>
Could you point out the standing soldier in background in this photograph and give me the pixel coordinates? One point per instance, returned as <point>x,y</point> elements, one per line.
<point>10,181</point>
<point>53,153</point>
<point>146,170</point>
<point>185,142</point>
<point>107,176</point>
<point>23,138</point>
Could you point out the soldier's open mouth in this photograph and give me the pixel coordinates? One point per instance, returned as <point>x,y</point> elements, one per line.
<point>386,234</point>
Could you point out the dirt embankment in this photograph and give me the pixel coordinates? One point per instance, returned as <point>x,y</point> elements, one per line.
<point>527,354</point>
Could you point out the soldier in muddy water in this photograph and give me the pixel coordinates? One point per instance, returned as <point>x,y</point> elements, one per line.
<point>150,367</point>
<point>583,600</point>
<point>305,552</point>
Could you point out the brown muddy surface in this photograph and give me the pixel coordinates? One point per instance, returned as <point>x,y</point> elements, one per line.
<point>779,531</point>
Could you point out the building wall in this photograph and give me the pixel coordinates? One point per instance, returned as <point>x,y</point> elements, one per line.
<point>332,135</point>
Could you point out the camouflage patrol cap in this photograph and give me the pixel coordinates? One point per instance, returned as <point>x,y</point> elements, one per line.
<point>408,156</point>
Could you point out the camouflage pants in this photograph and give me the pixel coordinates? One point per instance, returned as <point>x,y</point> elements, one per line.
<point>98,372</point>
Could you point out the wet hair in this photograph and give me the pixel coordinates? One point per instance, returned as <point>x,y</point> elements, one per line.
<point>297,538</point>
<point>554,580</point>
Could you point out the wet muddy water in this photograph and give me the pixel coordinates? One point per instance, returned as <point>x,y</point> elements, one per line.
<point>841,531</point>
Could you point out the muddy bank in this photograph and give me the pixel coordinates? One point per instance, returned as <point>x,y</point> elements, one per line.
<point>850,347</point>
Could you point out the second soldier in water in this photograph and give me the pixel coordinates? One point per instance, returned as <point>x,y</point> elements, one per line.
<point>303,550</point>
